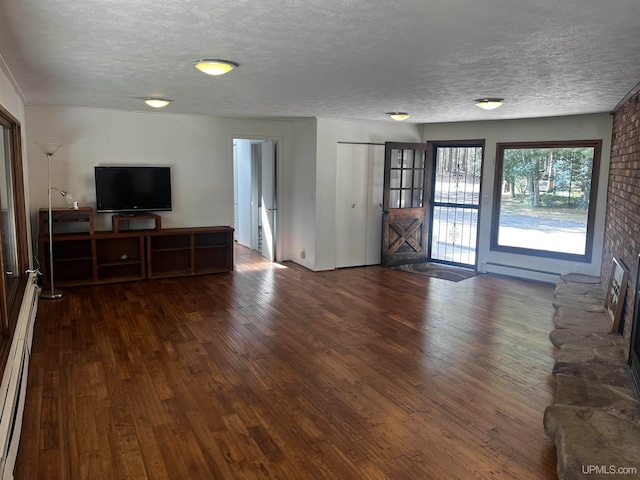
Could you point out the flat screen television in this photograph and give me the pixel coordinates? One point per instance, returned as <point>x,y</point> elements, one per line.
<point>132,189</point>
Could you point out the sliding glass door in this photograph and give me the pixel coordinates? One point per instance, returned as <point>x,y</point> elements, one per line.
<point>13,237</point>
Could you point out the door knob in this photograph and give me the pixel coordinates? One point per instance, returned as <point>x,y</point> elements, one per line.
<point>353,205</point>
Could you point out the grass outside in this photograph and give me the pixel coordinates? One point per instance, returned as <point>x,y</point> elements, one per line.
<point>554,208</point>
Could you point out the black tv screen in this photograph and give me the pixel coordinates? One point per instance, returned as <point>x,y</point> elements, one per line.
<point>130,189</point>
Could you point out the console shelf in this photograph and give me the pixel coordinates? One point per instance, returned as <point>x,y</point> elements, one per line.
<point>189,251</point>
<point>116,220</point>
<point>119,257</point>
<point>89,258</point>
<point>66,220</point>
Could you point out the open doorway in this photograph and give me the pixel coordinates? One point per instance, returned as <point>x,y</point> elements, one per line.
<point>255,194</point>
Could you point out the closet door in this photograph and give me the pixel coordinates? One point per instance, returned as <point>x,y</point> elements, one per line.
<point>351,204</point>
<point>359,194</point>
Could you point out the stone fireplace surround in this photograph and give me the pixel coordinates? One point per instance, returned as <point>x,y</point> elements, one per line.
<point>595,419</point>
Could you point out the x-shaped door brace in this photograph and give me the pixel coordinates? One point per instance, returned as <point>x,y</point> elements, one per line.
<point>405,235</point>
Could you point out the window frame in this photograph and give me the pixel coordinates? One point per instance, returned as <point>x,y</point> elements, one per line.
<point>416,173</point>
<point>10,307</point>
<point>593,195</point>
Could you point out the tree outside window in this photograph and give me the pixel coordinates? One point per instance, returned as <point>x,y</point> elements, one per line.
<point>545,198</point>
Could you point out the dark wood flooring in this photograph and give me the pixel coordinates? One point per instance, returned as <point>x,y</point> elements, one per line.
<point>278,372</point>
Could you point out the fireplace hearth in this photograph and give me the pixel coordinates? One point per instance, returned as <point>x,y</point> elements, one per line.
<point>595,418</point>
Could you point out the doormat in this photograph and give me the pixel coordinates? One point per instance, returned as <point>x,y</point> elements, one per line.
<point>446,272</point>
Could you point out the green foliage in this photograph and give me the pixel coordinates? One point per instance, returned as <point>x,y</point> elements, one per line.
<point>463,161</point>
<point>551,207</point>
<point>537,172</point>
<point>561,201</point>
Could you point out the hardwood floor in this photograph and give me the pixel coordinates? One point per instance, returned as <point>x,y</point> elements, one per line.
<point>278,372</point>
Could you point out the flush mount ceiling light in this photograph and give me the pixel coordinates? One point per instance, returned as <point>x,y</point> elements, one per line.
<point>157,102</point>
<point>214,67</point>
<point>489,103</point>
<point>399,116</point>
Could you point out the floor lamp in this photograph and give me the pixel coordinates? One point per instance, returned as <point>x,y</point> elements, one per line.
<point>49,149</point>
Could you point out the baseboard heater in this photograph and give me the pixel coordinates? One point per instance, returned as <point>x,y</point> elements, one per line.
<point>522,272</point>
<point>14,380</point>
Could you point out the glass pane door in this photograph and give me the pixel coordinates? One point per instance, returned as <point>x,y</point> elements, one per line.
<point>9,248</point>
<point>456,203</point>
<point>405,235</point>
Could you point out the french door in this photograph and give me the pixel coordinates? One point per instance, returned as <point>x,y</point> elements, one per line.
<point>431,202</point>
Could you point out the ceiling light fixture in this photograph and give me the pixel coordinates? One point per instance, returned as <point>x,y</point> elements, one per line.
<point>157,102</point>
<point>489,103</point>
<point>214,67</point>
<point>399,116</point>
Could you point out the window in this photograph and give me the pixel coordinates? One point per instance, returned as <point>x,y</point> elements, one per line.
<point>13,236</point>
<point>9,251</point>
<point>545,198</point>
<point>406,184</point>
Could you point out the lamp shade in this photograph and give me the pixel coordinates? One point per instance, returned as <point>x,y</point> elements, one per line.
<point>49,148</point>
<point>214,67</point>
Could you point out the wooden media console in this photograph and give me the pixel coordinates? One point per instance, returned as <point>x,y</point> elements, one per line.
<point>82,256</point>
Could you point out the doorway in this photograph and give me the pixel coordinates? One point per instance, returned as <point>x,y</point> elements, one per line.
<point>432,202</point>
<point>405,226</point>
<point>255,194</point>
<point>455,205</point>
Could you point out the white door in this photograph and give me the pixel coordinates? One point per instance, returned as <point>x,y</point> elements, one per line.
<point>359,178</point>
<point>268,199</point>
<point>243,181</point>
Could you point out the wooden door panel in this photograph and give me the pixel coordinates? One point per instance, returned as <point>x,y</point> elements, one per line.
<point>405,221</point>
<point>405,235</point>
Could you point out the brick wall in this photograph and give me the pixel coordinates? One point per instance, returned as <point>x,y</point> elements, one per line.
<point>622,227</point>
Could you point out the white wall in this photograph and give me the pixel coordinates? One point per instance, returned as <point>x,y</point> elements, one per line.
<point>302,201</point>
<point>11,102</point>
<point>588,127</point>
<point>199,149</point>
<point>330,132</point>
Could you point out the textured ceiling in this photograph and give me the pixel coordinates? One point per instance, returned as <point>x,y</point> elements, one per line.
<point>326,58</point>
